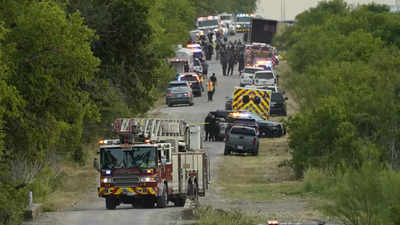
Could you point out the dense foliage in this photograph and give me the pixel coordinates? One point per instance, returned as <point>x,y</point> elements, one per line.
<point>68,68</point>
<point>346,65</point>
<point>345,74</point>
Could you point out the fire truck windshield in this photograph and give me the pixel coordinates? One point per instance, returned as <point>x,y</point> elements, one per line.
<point>128,158</point>
<point>206,23</point>
<point>243,19</point>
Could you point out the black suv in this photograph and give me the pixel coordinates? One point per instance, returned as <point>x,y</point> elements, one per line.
<point>278,104</point>
<point>266,128</point>
<point>194,81</point>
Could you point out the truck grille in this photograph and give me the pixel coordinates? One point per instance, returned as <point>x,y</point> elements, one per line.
<point>126,181</point>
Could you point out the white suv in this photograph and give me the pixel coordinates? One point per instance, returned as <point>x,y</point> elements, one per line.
<point>265,78</point>
<point>247,75</point>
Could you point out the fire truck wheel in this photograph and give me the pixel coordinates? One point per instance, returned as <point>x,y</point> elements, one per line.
<point>111,203</point>
<point>162,201</point>
<point>180,202</point>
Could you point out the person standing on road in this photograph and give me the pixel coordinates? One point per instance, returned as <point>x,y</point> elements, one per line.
<point>210,90</point>
<point>224,60</point>
<point>204,64</point>
<point>231,60</point>
<point>217,49</point>
<point>207,125</point>
<point>213,79</point>
<point>213,128</point>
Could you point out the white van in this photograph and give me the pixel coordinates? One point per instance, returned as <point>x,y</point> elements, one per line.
<point>247,75</point>
<point>265,78</point>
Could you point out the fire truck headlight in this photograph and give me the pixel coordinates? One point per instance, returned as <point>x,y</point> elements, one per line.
<point>148,179</point>
<point>107,180</point>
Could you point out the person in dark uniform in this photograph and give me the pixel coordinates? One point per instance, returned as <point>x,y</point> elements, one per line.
<point>223,60</point>
<point>213,128</point>
<point>207,126</point>
<point>231,60</point>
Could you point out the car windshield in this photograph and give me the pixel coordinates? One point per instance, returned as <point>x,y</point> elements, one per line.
<point>266,75</point>
<point>243,19</point>
<point>276,97</point>
<point>206,23</point>
<point>251,70</point>
<point>189,78</point>
<point>243,131</point>
<point>128,158</point>
<point>226,17</point>
<point>173,85</point>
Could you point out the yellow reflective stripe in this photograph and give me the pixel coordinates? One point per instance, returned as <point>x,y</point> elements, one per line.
<point>151,191</point>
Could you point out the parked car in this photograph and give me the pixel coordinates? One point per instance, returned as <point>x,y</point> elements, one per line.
<point>178,92</point>
<point>265,77</point>
<point>194,81</point>
<point>242,139</point>
<point>247,75</point>
<point>278,104</point>
<point>181,84</point>
<point>267,128</point>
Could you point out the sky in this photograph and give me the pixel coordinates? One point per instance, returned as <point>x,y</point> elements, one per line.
<point>271,9</point>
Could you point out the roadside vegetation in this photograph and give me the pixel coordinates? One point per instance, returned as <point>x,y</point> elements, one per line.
<point>344,142</point>
<point>210,216</point>
<point>67,70</point>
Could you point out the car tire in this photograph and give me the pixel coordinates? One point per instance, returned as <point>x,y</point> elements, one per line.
<point>162,201</point>
<point>111,203</point>
<point>191,103</point>
<point>227,151</point>
<point>255,151</point>
<point>180,202</point>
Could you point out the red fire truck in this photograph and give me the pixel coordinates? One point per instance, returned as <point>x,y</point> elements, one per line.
<point>154,161</point>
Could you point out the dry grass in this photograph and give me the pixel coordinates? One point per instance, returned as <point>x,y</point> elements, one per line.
<point>77,183</point>
<point>259,178</point>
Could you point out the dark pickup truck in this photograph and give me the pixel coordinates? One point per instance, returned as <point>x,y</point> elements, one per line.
<point>241,139</point>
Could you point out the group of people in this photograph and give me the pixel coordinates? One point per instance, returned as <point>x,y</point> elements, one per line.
<point>230,54</point>
<point>211,128</point>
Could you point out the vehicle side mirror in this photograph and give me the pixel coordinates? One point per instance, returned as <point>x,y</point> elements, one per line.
<point>96,164</point>
<point>163,160</point>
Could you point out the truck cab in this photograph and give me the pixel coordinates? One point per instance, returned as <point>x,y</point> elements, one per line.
<point>135,174</point>
<point>152,163</point>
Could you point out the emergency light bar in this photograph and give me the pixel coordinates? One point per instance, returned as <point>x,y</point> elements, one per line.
<point>109,142</point>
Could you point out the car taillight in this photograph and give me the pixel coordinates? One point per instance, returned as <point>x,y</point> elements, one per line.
<point>254,141</point>
<point>227,138</point>
<point>170,94</point>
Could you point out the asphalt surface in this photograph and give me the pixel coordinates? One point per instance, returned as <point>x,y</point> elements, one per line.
<point>91,211</point>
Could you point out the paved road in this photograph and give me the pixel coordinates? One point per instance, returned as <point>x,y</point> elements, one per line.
<point>92,211</point>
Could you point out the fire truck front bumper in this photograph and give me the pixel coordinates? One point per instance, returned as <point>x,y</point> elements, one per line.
<point>127,191</point>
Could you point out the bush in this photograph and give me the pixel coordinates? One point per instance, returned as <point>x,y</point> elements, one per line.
<point>368,196</point>
<point>210,216</point>
<point>317,181</point>
<point>12,203</point>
